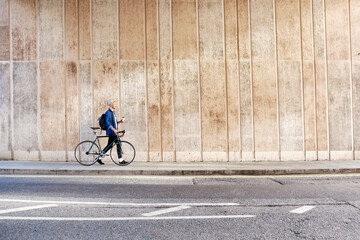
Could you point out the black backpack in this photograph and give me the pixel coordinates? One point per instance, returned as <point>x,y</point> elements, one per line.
<point>102,122</point>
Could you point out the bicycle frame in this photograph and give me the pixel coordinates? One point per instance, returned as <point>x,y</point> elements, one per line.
<point>98,142</point>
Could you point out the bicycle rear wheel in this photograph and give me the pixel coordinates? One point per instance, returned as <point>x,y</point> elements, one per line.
<point>87,153</point>
<point>128,153</point>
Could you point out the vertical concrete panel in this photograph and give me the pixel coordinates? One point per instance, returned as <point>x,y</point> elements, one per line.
<point>72,108</point>
<point>356,107</point>
<point>84,30</point>
<point>265,110</point>
<point>320,76</point>
<point>184,29</point>
<point>290,104</point>
<point>52,110</point>
<point>132,74</point>
<point>308,79</point>
<point>355,30</point>
<point>233,109</point>
<point>5,126</point>
<point>307,29</point>
<point>245,110</point>
<point>213,111</point>
<point>232,78</point>
<point>231,35</point>
<point>166,83</point>
<point>132,30</point>
<point>85,101</point>
<point>71,28</point>
<point>339,108</point>
<point>321,105</point>
<point>337,30</point>
<point>355,46</point>
<point>25,111</point>
<point>211,30</point>
<point>262,29</point>
<point>106,87</point>
<point>187,116</point>
<point>167,118</point>
<point>246,116</point>
<point>72,101</point>
<point>104,29</point>
<point>151,30</point>
<point>4,31</point>
<point>50,29</point>
<point>154,110</point>
<point>212,77</point>
<point>23,34</point>
<point>264,79</point>
<point>288,29</point>
<point>289,75</point>
<point>186,82</point>
<point>153,80</point>
<point>133,98</point>
<point>309,109</point>
<point>244,31</point>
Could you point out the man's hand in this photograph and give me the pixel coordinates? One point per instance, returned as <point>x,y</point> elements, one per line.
<point>115,131</point>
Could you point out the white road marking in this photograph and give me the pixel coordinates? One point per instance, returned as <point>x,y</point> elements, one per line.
<point>21,209</point>
<point>126,218</point>
<point>124,204</point>
<point>302,209</point>
<point>167,210</point>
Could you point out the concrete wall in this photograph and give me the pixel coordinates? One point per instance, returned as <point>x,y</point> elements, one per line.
<point>198,80</point>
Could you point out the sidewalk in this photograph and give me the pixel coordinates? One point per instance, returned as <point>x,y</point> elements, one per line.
<point>181,168</point>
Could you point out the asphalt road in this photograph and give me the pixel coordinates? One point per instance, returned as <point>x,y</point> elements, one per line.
<point>49,207</point>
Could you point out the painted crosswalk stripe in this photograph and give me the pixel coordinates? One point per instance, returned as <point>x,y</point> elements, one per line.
<point>203,204</point>
<point>21,209</point>
<point>167,210</point>
<point>302,209</point>
<point>126,218</point>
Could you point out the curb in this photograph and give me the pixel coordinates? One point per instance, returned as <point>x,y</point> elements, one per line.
<point>170,172</point>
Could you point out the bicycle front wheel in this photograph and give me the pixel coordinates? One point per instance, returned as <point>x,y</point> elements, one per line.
<point>87,153</point>
<point>128,153</point>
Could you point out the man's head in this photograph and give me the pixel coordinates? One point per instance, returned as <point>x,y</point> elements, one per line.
<point>112,104</point>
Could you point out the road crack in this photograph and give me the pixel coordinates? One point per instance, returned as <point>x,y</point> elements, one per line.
<point>277,181</point>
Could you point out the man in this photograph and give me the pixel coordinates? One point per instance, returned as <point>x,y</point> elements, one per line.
<point>112,130</point>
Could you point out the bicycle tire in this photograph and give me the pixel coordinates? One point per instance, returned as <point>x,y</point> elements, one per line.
<point>87,153</point>
<point>128,153</point>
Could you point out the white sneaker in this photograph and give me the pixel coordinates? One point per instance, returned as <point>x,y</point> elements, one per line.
<point>121,160</point>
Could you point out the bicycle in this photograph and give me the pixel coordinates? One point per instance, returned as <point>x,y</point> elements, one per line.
<point>88,152</point>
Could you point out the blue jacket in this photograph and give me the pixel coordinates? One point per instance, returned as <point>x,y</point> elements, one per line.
<point>110,122</point>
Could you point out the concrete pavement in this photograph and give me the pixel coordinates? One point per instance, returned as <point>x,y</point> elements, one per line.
<point>182,168</point>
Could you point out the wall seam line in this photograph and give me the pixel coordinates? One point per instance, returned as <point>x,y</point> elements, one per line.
<point>38,81</point>
<point>159,77</point>
<point>351,84</point>
<point>65,79</point>
<point>277,82</point>
<point>11,85</point>
<point>226,84</point>
<point>118,56</point>
<point>199,80</point>
<point>252,85</point>
<point>239,80</point>
<point>78,67</point>
<point>146,84</point>
<point>172,81</point>
<point>302,83</point>
<point>315,80</point>
<point>327,84</point>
